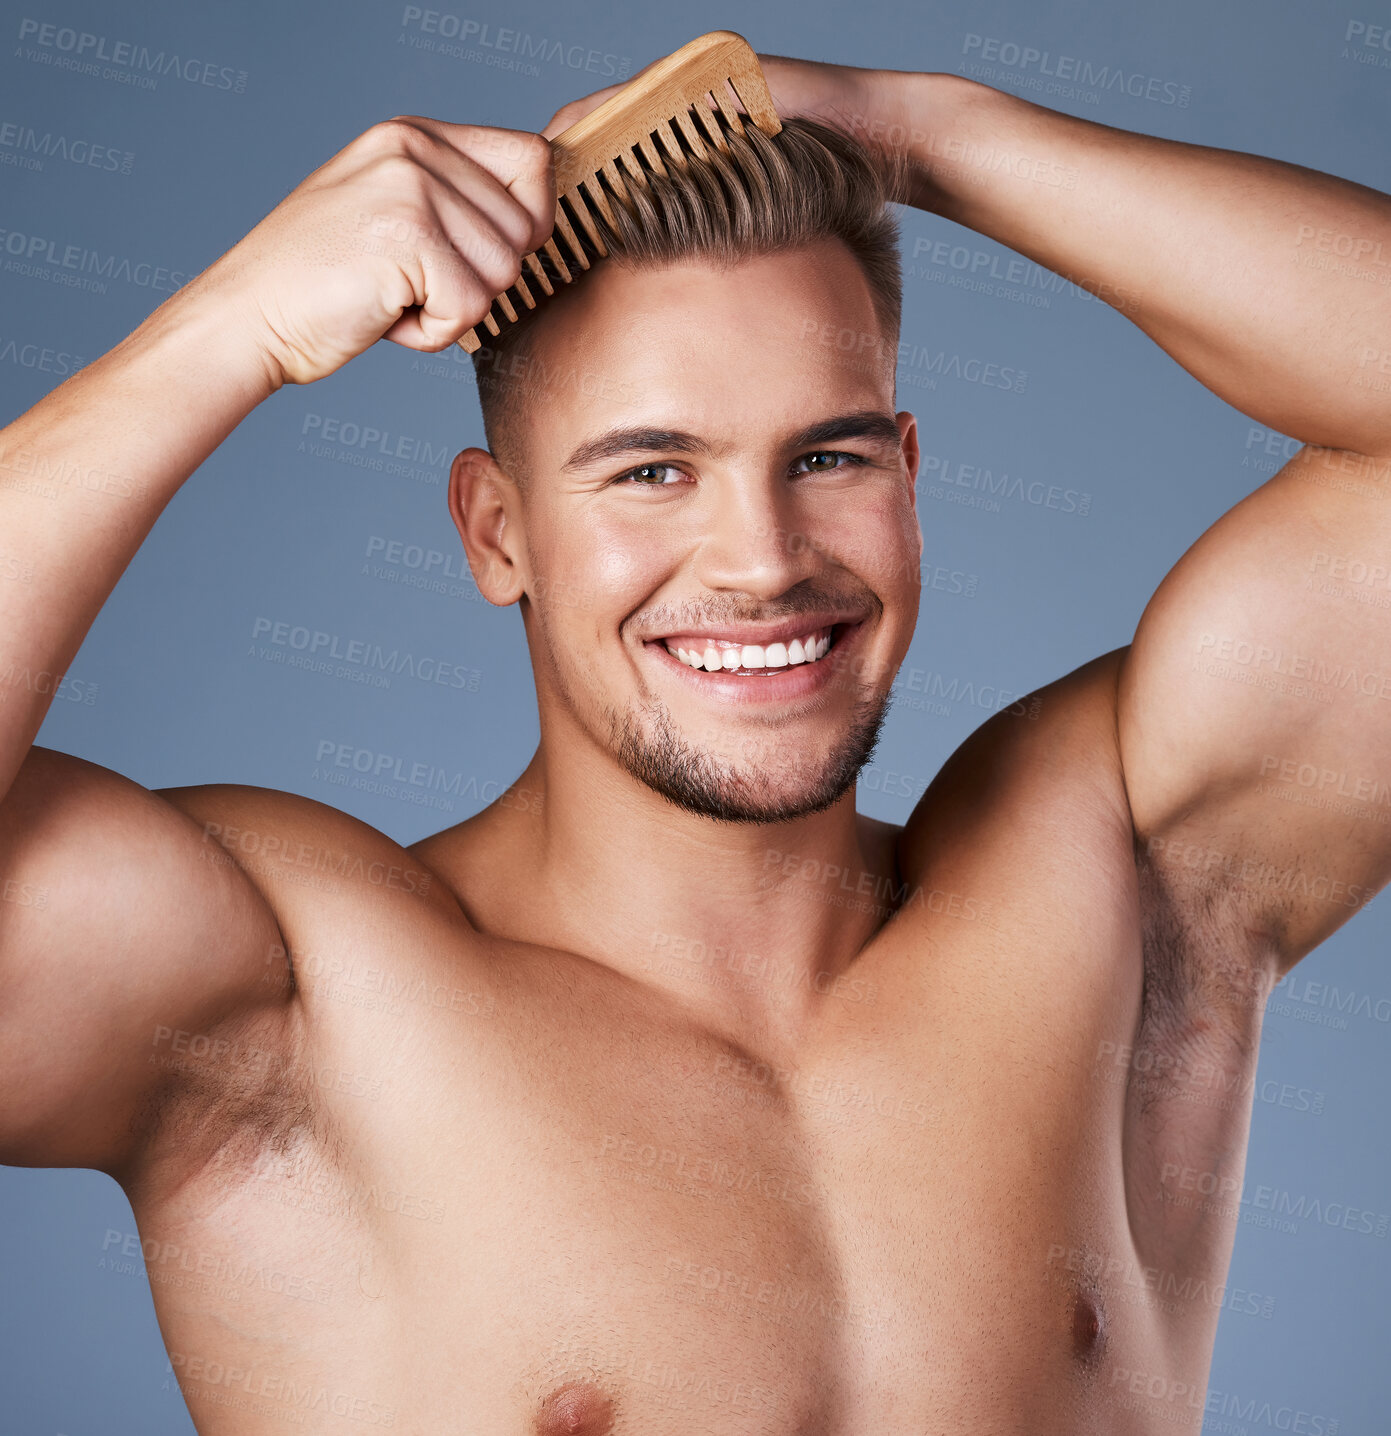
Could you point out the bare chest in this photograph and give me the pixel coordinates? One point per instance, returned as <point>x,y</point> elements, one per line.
<point>511,1203</point>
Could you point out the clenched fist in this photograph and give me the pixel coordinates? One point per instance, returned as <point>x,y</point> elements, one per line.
<point>406,234</point>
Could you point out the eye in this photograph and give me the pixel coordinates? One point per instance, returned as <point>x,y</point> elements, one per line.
<point>658,476</point>
<point>817,467</point>
<point>649,476</point>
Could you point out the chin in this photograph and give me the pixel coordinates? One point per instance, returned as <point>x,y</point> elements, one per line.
<point>763,779</point>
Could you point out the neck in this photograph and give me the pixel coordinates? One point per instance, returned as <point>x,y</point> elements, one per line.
<point>751,927</point>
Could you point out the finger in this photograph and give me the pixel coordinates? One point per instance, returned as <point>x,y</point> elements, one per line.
<point>519,160</point>
<point>478,217</point>
<point>455,270</point>
<point>410,332</point>
<point>436,160</point>
<point>515,225</point>
<point>576,110</point>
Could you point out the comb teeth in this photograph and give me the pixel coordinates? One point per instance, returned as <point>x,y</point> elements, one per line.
<point>664,117</point>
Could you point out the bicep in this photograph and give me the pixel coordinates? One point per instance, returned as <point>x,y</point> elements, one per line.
<point>1254,704</point>
<point>125,933</point>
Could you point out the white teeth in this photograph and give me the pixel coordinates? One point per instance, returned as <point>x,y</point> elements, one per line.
<point>753,655</point>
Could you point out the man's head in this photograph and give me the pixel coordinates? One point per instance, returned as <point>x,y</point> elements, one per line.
<point>694,447</point>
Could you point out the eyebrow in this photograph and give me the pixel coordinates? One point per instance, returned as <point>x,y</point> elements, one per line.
<point>865,424</point>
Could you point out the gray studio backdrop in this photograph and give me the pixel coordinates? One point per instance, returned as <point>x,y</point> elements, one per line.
<point>125,170</point>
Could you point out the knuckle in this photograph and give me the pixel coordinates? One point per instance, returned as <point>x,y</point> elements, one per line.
<point>536,149</point>
<point>501,269</point>
<point>398,135</point>
<point>483,297</point>
<point>490,250</point>
<point>397,171</point>
<point>472,299</point>
<point>514,226</point>
<point>528,151</point>
<point>478,293</point>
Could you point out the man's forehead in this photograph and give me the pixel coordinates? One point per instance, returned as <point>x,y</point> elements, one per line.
<point>760,298</point>
<point>707,350</point>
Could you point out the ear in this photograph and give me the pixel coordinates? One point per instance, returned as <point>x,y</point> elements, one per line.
<point>486,509</point>
<point>912,457</point>
<point>908,432</point>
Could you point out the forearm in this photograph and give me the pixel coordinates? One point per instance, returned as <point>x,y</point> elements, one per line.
<point>405,234</point>
<point>85,473</point>
<point>1269,282</point>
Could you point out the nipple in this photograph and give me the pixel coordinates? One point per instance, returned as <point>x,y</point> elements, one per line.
<point>579,1408</point>
<point>1087,1327</point>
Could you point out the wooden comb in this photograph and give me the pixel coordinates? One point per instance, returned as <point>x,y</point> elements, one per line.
<point>664,110</point>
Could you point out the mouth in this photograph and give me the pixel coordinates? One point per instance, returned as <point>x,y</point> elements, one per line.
<point>751,659</point>
<point>791,664</point>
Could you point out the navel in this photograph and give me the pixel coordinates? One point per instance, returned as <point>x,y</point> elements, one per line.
<point>579,1408</point>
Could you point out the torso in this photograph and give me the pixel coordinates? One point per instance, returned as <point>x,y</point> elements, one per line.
<point>520,1193</point>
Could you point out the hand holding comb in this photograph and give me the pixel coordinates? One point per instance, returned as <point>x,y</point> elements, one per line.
<point>661,117</point>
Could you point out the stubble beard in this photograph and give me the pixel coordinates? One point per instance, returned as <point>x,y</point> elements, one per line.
<point>649,745</point>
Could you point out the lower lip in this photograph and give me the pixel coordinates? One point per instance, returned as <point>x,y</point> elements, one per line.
<point>782,685</point>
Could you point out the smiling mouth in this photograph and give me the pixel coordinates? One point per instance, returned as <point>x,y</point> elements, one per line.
<point>753,660</point>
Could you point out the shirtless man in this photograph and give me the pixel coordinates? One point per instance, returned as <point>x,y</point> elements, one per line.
<point>667,1094</point>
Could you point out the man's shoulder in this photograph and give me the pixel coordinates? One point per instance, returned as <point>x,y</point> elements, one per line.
<point>292,847</point>
<point>1029,817</point>
<point>1052,751</point>
<point>351,904</point>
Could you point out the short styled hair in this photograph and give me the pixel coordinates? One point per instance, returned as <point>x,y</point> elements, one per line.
<point>763,195</point>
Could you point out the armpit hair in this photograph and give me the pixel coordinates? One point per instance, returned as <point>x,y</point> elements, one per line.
<point>1205,977</point>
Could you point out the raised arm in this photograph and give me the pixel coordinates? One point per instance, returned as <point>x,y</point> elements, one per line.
<point>1254,704</point>
<point>119,917</point>
<point>1269,282</point>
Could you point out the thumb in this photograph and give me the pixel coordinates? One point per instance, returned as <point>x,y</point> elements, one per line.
<point>576,110</point>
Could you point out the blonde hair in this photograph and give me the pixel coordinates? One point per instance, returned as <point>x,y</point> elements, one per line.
<point>765,194</point>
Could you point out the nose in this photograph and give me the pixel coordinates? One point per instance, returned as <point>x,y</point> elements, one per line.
<point>756,538</point>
